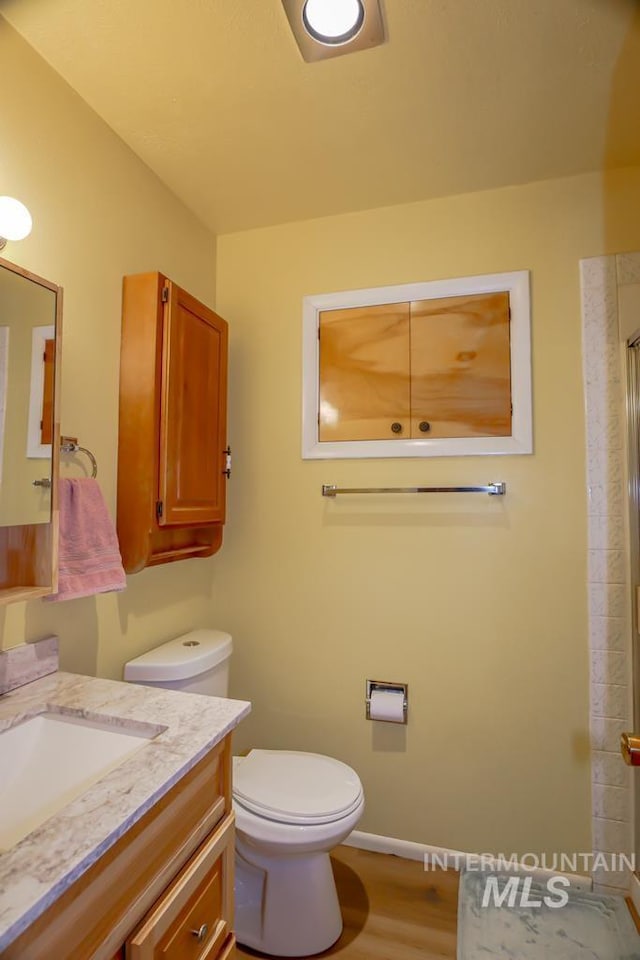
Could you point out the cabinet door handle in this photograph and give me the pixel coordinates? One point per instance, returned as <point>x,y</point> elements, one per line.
<point>227,462</point>
<point>396,427</point>
<point>201,933</point>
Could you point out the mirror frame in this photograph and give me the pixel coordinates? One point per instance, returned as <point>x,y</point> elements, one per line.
<point>29,552</point>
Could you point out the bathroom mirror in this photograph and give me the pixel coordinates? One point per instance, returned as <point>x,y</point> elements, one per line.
<point>29,311</point>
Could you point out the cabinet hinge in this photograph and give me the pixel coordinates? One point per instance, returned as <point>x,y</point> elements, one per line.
<point>158,509</point>
<point>165,294</point>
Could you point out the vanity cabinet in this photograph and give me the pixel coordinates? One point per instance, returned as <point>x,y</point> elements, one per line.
<point>164,890</point>
<point>172,455</point>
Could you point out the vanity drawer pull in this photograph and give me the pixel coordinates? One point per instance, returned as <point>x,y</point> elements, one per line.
<point>201,934</point>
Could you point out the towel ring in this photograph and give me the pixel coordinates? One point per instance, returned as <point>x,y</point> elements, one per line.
<point>71,445</point>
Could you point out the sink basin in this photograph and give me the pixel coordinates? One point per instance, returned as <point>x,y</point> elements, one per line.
<point>48,760</point>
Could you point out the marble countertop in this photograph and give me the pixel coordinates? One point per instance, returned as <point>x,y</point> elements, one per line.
<point>35,872</point>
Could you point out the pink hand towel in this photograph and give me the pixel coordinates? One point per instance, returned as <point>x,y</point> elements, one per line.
<point>89,556</point>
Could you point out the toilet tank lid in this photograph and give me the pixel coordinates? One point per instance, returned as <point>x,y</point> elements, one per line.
<point>183,657</point>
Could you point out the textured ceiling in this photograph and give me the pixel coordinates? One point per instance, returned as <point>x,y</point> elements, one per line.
<point>464,95</point>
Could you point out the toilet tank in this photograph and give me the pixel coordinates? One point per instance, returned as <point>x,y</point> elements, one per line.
<point>196,662</point>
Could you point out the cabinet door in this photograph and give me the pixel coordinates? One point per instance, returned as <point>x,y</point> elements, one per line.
<point>192,921</point>
<point>460,367</point>
<point>193,421</point>
<point>364,373</point>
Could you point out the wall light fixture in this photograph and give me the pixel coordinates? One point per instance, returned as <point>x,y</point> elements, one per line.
<point>15,221</point>
<point>331,28</point>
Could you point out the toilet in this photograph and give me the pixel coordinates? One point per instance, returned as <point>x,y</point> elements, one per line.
<point>291,809</point>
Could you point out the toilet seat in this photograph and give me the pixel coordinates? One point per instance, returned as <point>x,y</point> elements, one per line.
<point>295,788</point>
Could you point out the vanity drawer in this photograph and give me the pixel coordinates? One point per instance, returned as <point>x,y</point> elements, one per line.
<point>192,920</point>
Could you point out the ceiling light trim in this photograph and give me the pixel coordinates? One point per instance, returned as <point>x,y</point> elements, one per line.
<point>370,32</point>
<point>350,31</point>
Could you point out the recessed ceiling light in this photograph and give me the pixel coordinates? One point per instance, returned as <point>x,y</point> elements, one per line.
<point>333,21</point>
<point>330,28</point>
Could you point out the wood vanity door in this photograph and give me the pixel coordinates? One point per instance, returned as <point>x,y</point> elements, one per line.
<point>192,921</point>
<point>460,366</point>
<point>193,421</point>
<point>364,373</point>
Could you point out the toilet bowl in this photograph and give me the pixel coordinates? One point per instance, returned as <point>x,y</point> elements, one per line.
<point>291,809</point>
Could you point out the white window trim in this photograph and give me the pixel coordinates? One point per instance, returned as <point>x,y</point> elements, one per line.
<point>521,439</point>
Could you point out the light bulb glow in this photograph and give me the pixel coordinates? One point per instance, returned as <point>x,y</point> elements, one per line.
<point>333,21</point>
<point>15,219</point>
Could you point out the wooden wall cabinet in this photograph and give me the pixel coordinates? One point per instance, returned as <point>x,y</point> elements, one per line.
<point>164,891</point>
<point>172,450</point>
<point>436,368</point>
<point>432,369</point>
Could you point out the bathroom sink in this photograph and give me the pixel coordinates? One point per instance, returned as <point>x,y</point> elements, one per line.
<point>49,759</point>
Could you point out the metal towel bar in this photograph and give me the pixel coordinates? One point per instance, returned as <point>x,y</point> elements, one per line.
<point>493,489</point>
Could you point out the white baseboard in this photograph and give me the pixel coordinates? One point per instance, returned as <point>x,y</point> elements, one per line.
<point>399,848</point>
<point>422,852</point>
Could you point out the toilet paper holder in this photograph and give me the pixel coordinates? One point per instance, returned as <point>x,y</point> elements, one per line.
<point>387,687</point>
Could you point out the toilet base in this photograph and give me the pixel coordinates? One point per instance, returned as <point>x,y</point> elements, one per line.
<point>286,906</point>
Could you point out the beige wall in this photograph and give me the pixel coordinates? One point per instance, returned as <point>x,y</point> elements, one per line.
<point>98,213</point>
<point>480,605</point>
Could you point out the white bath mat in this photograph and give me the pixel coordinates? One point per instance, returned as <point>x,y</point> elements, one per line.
<point>496,918</point>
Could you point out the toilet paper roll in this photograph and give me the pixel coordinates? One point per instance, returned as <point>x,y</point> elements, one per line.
<point>387,705</point>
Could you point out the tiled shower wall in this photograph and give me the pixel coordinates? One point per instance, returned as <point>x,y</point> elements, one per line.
<point>608,585</point>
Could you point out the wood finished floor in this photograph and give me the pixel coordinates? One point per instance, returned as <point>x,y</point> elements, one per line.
<point>392,909</point>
